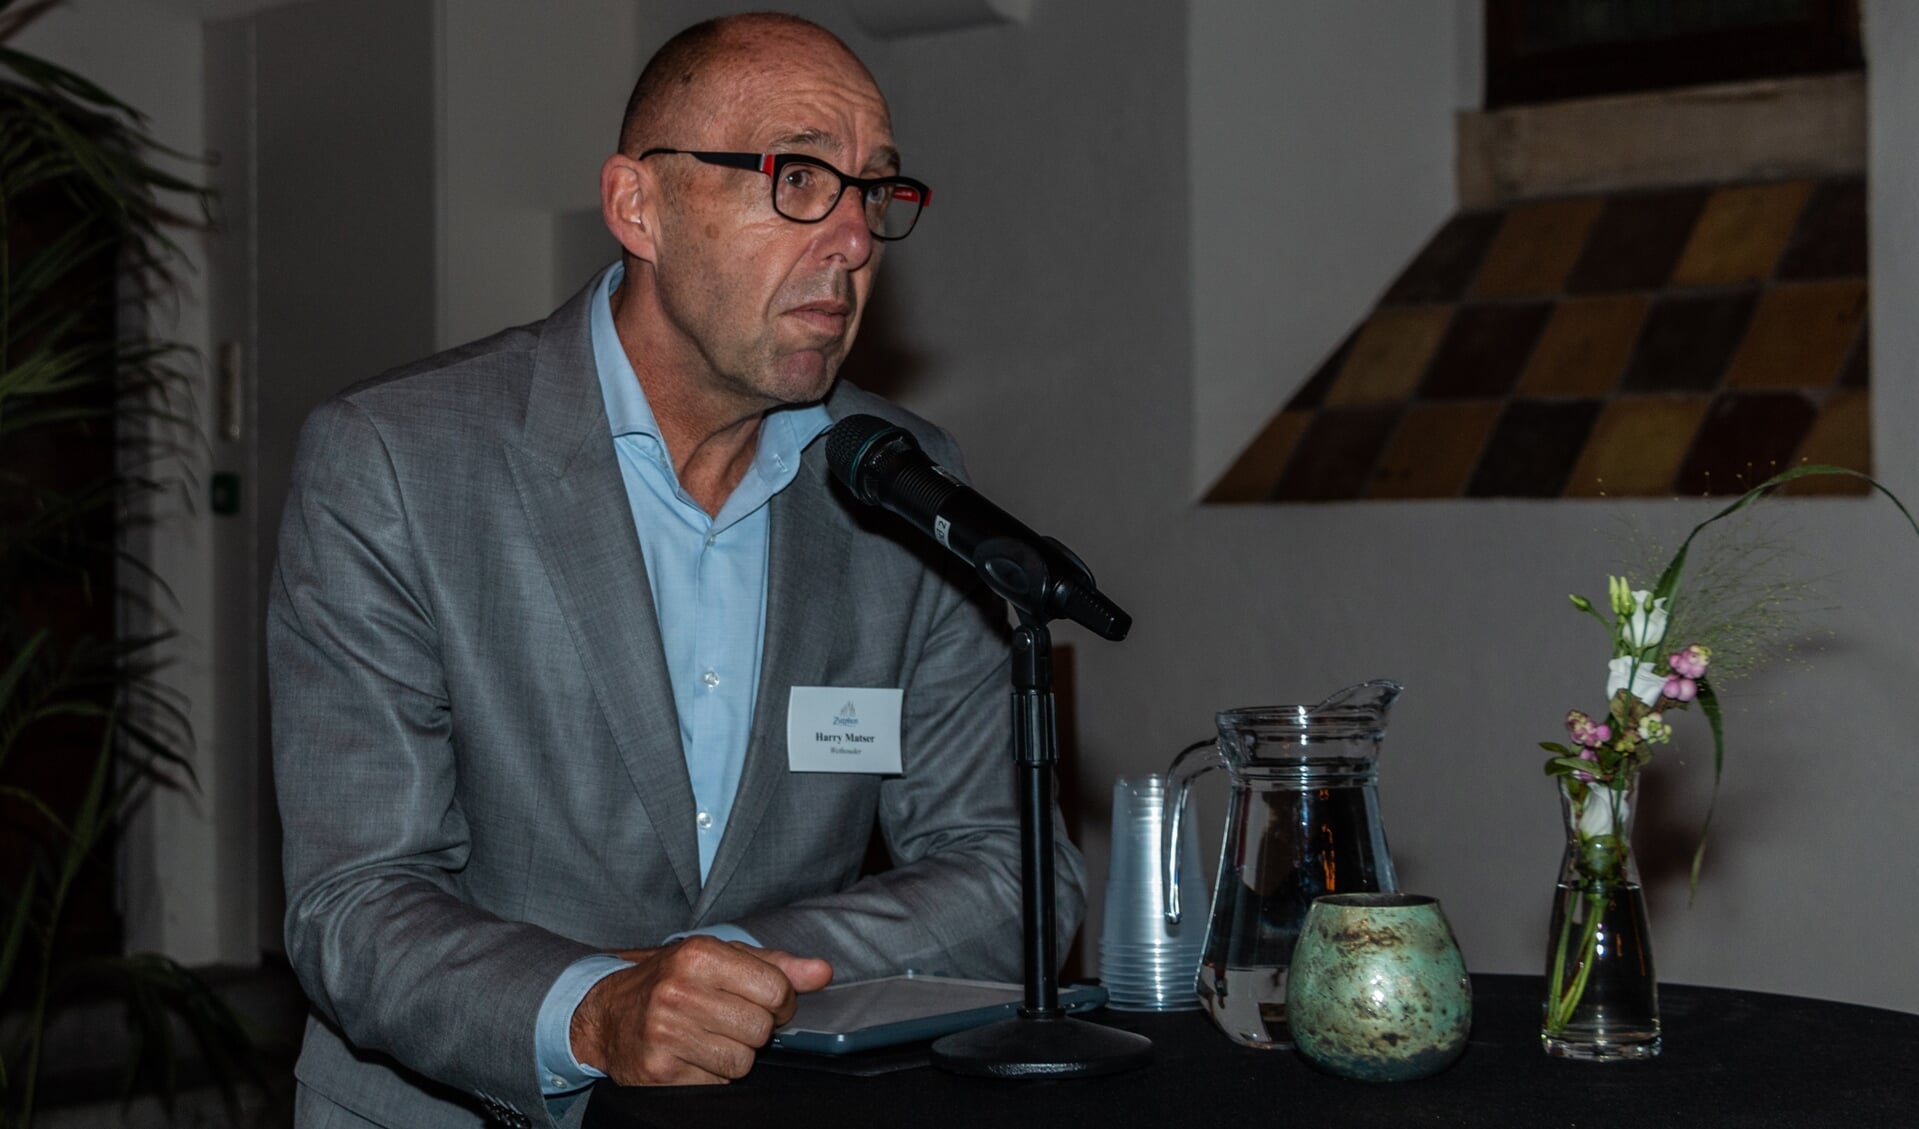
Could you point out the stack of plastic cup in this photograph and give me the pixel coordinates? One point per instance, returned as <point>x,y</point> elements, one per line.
<point>1144,963</point>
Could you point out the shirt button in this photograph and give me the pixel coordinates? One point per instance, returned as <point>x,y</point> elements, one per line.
<point>705,821</point>
<point>710,538</point>
<point>711,678</point>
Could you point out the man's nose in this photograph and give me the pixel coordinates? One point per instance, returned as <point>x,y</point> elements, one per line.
<point>847,233</point>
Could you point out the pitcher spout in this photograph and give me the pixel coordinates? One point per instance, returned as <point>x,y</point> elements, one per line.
<point>1375,697</point>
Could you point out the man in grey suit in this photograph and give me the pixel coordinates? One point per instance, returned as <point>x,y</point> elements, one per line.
<point>561,616</point>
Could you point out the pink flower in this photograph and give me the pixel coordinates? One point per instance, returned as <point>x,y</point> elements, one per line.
<point>1690,663</point>
<point>1586,755</point>
<point>1680,689</point>
<point>1585,731</point>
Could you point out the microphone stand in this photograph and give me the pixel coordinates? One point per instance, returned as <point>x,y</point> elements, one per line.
<point>1041,1041</point>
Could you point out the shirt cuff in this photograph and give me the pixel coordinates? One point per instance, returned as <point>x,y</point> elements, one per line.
<point>560,1072</point>
<point>723,931</point>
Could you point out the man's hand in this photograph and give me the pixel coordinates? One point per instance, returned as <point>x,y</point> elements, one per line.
<point>690,1012</point>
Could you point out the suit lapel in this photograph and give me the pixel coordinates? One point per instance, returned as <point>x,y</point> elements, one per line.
<point>569,484</point>
<point>808,544</point>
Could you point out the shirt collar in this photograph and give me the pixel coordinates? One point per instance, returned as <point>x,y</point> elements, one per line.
<point>626,406</point>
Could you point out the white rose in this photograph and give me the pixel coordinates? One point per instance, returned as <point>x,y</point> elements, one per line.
<point>1647,683</point>
<point>1595,817</point>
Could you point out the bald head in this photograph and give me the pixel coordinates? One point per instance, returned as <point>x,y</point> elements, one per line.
<point>694,75</point>
<point>741,307</point>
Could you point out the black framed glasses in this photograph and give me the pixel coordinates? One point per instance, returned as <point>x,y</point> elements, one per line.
<point>807,189</point>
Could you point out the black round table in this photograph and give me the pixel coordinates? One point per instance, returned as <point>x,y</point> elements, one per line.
<point>1746,1059</point>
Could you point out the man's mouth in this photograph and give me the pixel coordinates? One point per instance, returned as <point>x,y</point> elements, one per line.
<point>829,317</point>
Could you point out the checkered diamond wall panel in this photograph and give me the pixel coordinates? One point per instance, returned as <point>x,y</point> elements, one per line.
<point>1682,341</point>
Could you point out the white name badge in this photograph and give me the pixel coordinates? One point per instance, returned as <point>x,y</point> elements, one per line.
<point>843,729</point>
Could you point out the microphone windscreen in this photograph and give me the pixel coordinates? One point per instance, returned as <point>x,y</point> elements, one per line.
<point>848,441</point>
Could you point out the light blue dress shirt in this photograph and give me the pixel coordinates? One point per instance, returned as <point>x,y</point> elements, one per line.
<point>708,575</point>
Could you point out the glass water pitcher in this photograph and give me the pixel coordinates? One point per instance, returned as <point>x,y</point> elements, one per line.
<point>1303,820</point>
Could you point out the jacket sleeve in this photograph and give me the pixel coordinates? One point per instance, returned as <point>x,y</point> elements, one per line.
<point>364,767</point>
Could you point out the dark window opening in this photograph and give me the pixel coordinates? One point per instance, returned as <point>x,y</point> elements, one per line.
<point>1549,50</point>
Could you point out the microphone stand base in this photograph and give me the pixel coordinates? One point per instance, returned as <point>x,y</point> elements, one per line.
<point>1035,1046</point>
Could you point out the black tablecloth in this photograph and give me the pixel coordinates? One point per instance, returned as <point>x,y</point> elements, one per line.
<point>1746,1059</point>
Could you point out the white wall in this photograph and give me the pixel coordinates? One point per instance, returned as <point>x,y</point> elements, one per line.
<point>1320,149</point>
<point>553,80</point>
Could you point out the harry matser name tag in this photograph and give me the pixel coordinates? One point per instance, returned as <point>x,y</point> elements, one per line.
<point>843,729</point>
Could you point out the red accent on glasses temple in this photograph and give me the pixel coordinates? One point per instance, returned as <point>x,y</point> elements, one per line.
<point>766,163</point>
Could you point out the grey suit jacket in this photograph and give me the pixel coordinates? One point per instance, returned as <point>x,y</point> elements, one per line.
<point>477,755</point>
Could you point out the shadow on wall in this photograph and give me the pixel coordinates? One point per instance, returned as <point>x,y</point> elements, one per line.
<point>883,360</point>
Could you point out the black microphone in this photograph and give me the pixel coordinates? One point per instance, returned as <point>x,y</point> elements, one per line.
<point>883,465</point>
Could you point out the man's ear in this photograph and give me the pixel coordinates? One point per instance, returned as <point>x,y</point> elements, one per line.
<point>628,196</point>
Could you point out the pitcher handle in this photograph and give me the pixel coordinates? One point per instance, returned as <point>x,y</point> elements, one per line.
<point>1191,761</point>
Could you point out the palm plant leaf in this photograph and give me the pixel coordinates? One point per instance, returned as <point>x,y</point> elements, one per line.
<point>101,196</point>
<point>74,248</point>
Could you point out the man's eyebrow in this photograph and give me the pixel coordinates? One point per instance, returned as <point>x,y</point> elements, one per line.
<point>886,157</point>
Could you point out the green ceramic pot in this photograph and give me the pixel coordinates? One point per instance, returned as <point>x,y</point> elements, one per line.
<point>1377,989</point>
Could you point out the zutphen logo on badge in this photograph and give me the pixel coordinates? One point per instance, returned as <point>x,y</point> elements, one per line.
<point>848,717</point>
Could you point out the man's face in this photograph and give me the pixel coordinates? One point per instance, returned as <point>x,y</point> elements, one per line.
<point>765,306</point>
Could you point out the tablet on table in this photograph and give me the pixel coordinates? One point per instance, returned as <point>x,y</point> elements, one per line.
<point>867,1014</point>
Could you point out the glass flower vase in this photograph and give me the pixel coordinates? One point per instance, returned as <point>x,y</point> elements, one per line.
<point>1602,1001</point>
